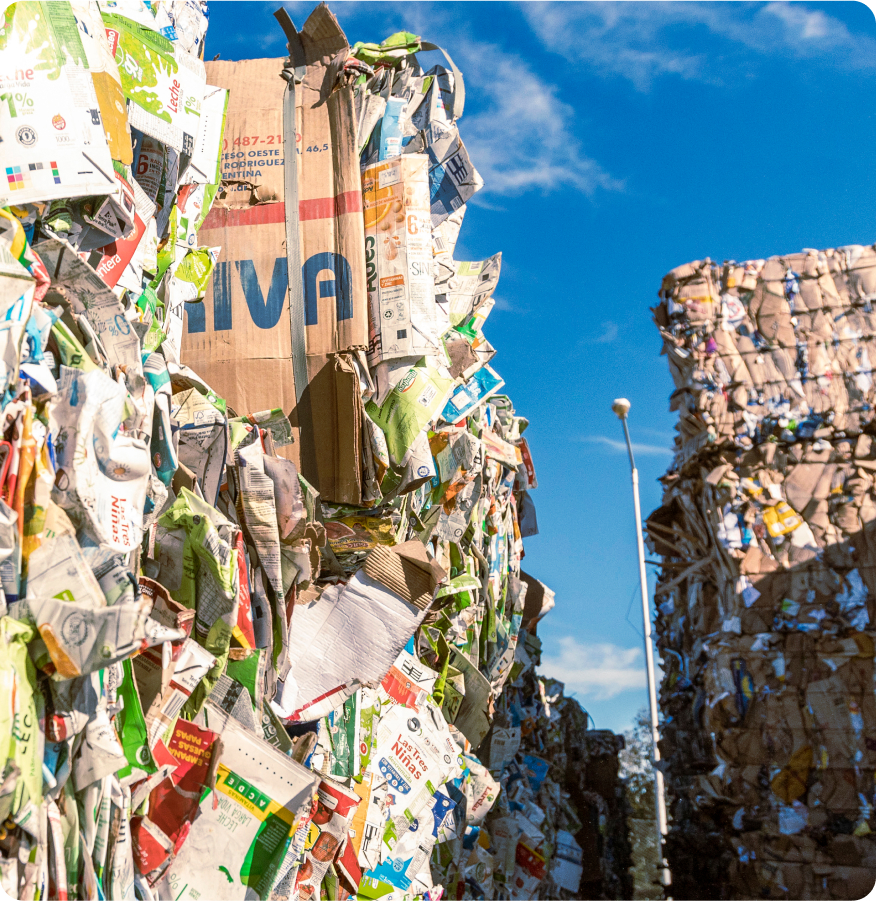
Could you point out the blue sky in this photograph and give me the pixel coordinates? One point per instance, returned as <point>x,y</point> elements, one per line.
<point>618,140</point>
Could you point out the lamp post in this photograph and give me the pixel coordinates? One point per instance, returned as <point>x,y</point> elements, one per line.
<point>621,408</point>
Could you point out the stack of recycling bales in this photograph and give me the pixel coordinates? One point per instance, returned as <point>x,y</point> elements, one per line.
<point>261,501</point>
<point>561,804</point>
<point>594,784</point>
<point>767,597</point>
<point>581,797</point>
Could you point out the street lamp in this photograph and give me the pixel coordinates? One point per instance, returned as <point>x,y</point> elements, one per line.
<point>621,408</point>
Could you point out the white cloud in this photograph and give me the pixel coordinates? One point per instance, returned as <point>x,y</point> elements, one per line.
<point>807,25</point>
<point>797,30</point>
<point>481,200</point>
<point>644,41</point>
<point>506,305</point>
<point>522,136</point>
<point>662,434</point>
<point>620,446</point>
<point>600,670</point>
<point>608,334</point>
<point>614,38</point>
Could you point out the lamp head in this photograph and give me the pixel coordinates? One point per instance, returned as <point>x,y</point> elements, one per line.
<point>621,407</point>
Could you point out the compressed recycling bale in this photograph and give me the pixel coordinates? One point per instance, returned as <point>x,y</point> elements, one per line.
<point>261,639</point>
<point>766,601</point>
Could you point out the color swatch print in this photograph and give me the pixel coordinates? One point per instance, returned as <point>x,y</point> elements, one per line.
<point>19,180</point>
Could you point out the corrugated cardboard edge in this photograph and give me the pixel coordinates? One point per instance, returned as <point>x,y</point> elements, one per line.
<point>406,570</point>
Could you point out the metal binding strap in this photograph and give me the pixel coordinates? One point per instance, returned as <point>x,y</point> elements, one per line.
<point>458,83</point>
<point>293,73</point>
